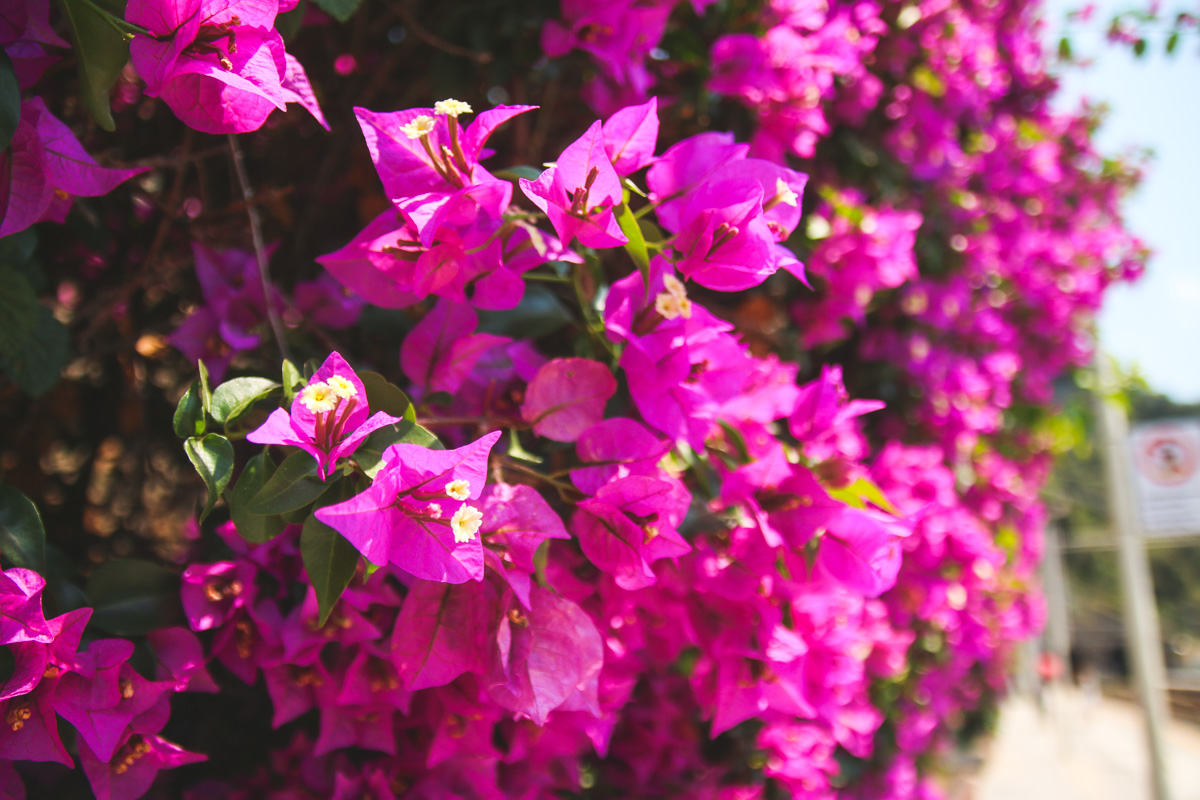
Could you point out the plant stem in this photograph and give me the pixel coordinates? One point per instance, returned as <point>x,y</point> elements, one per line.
<point>260,250</point>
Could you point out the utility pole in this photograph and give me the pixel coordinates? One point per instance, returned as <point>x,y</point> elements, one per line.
<point>1054,586</point>
<point>1142,635</point>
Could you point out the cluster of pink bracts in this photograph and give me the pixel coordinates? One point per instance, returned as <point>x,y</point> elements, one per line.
<point>706,581</point>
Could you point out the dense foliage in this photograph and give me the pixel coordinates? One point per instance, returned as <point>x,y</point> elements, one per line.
<point>701,460</point>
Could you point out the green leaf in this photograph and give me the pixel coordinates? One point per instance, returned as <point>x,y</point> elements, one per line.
<point>288,23</point>
<point>293,381</point>
<point>101,52</point>
<point>439,398</point>
<point>19,310</point>
<point>16,250</point>
<point>636,246</point>
<point>341,10</point>
<point>10,101</point>
<point>386,397</point>
<point>212,456</point>
<point>232,398</point>
<point>37,366</point>
<point>738,440</point>
<point>330,561</point>
<point>861,492</point>
<point>189,413</point>
<point>1172,42</point>
<point>293,485</point>
<point>520,171</point>
<point>515,450</point>
<point>254,528</point>
<point>22,536</point>
<point>539,313</point>
<point>650,232</point>
<point>369,454</point>
<point>1139,48</point>
<point>205,388</point>
<point>131,597</point>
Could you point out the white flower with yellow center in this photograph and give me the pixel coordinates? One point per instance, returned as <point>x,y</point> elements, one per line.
<point>459,489</point>
<point>674,286</point>
<point>342,387</point>
<point>451,107</point>
<point>465,523</point>
<point>319,397</point>
<point>418,127</point>
<point>672,306</point>
<point>785,193</point>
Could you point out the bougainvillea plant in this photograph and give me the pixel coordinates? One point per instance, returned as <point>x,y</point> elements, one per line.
<point>591,400</point>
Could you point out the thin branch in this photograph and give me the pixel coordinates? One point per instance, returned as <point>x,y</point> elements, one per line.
<point>405,12</point>
<point>260,249</point>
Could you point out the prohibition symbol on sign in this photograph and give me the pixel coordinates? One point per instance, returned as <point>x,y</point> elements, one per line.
<point>1168,456</point>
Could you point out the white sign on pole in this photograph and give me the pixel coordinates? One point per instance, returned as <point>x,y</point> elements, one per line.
<point>1166,466</point>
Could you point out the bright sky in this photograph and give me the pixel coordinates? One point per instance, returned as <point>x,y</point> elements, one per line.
<point>1154,103</point>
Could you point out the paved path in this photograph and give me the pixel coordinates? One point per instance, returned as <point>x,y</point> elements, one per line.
<point>1081,749</point>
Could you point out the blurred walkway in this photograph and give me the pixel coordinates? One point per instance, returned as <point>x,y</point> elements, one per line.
<point>1081,749</point>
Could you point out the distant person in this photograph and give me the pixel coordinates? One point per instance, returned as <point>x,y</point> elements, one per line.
<point>1049,669</point>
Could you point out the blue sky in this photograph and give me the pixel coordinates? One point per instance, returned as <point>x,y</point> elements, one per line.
<point>1154,103</point>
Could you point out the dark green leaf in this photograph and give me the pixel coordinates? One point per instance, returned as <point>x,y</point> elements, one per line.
<point>439,398</point>
<point>37,366</point>
<point>288,24</point>
<point>521,171</point>
<point>131,597</point>
<point>254,528</point>
<point>650,232</point>
<point>386,397</point>
<point>19,310</point>
<point>101,52</point>
<point>369,454</point>
<point>1172,42</point>
<point>22,536</point>
<point>341,10</point>
<point>330,561</point>
<point>636,246</point>
<point>293,485</point>
<point>539,313</point>
<point>189,414</point>
<point>1139,47</point>
<point>293,381</point>
<point>17,249</point>
<point>212,456</point>
<point>232,398</point>
<point>10,101</point>
<point>8,664</point>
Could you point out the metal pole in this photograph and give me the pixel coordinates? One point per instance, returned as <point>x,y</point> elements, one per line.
<point>1142,635</point>
<point>1054,584</point>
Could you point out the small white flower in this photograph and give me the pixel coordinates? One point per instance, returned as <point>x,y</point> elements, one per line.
<point>434,510</point>
<point>672,306</point>
<point>674,286</point>
<point>458,489</point>
<point>319,397</point>
<point>785,193</point>
<point>341,387</point>
<point>418,127</point>
<point>465,523</point>
<point>451,107</point>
